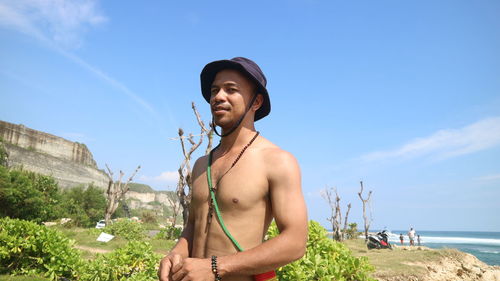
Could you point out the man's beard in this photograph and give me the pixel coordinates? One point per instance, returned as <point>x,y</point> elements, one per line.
<point>226,125</point>
<point>229,127</point>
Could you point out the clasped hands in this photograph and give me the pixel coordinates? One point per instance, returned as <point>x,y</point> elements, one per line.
<point>174,268</point>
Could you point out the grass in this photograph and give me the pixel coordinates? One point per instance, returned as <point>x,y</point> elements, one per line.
<point>86,237</point>
<point>398,262</point>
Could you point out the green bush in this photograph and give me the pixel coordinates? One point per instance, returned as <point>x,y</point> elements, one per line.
<point>169,233</point>
<point>30,196</point>
<point>324,260</point>
<point>4,156</point>
<point>148,217</point>
<point>136,261</point>
<point>27,248</point>
<point>85,206</point>
<point>126,229</point>
<point>352,231</point>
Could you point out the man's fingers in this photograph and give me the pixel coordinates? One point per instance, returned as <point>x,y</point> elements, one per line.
<point>177,276</point>
<point>164,270</point>
<point>176,263</point>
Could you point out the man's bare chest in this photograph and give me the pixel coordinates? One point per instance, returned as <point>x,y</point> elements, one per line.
<point>239,189</point>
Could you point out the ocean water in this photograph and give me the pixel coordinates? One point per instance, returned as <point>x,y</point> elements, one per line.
<point>484,245</point>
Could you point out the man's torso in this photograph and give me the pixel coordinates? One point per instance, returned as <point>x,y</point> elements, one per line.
<point>243,198</point>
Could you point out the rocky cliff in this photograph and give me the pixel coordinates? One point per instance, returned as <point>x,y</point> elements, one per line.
<point>70,163</point>
<point>143,197</point>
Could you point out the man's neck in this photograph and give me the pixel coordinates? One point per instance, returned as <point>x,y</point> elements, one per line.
<point>240,137</point>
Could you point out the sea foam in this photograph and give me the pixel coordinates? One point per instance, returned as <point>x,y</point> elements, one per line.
<point>448,240</point>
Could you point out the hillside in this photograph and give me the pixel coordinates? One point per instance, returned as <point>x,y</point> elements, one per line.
<point>70,163</point>
<point>141,197</point>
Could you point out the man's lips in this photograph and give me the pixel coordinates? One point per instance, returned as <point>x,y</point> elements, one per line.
<point>219,109</point>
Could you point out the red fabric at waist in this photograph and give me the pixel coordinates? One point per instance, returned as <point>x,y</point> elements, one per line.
<point>271,275</point>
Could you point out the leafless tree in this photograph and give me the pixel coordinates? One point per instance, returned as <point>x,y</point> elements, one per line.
<point>176,207</point>
<point>345,221</point>
<point>185,167</point>
<point>336,216</point>
<point>366,219</point>
<point>115,192</point>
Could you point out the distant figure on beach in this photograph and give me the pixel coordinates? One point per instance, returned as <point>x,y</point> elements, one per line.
<point>418,239</point>
<point>401,238</point>
<point>411,236</point>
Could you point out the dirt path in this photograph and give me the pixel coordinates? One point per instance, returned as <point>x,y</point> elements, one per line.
<point>92,250</point>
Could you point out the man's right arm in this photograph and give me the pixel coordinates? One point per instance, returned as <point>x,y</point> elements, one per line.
<point>182,249</point>
<point>179,252</point>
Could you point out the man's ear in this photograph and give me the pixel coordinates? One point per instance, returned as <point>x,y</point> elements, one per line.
<point>259,100</point>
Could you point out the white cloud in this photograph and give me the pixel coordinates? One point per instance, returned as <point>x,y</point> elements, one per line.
<point>447,143</point>
<point>167,177</point>
<point>494,177</point>
<point>60,21</point>
<point>59,24</point>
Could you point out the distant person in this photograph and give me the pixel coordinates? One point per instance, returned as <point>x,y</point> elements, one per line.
<point>401,238</point>
<point>411,236</point>
<point>418,239</point>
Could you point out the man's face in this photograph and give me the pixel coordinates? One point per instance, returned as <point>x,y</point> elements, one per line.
<point>231,94</point>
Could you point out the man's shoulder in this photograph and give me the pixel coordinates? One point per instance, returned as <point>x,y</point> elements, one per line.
<point>200,164</point>
<point>271,152</point>
<point>276,160</point>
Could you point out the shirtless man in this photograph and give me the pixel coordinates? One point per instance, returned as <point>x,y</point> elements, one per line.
<point>262,184</point>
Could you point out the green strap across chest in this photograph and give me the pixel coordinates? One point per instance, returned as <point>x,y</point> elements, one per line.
<point>216,206</point>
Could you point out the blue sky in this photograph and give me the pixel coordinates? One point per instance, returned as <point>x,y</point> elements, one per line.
<point>404,95</point>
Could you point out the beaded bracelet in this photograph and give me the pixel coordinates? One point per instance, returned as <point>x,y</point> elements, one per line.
<point>214,269</point>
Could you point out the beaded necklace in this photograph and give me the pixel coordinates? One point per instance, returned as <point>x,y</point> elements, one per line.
<point>214,188</point>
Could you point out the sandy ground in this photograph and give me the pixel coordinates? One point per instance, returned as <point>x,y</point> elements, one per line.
<point>460,268</point>
<point>92,250</point>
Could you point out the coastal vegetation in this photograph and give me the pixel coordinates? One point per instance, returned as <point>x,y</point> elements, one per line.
<point>27,248</point>
<point>325,259</point>
<point>32,251</point>
<point>35,197</point>
<point>71,251</point>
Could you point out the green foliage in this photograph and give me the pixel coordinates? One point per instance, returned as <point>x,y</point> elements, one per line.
<point>30,249</point>
<point>85,206</point>
<point>325,259</point>
<point>21,278</point>
<point>169,233</point>
<point>28,195</point>
<point>136,261</point>
<point>352,231</point>
<point>4,156</point>
<point>141,188</point>
<point>126,229</point>
<point>148,217</point>
<point>120,210</point>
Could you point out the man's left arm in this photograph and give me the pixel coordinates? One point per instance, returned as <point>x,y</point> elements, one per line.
<point>290,214</point>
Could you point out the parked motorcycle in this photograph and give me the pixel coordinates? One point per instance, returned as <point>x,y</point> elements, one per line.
<point>379,241</point>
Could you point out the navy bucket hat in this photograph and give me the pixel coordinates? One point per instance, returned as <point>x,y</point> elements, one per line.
<point>246,66</point>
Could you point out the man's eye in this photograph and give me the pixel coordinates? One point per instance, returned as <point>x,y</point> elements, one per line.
<point>214,91</point>
<point>232,90</point>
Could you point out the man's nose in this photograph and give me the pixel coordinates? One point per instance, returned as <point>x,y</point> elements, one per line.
<point>219,96</point>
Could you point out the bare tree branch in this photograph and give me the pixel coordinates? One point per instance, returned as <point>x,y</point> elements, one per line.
<point>365,218</point>
<point>185,176</point>
<point>345,221</point>
<point>335,217</point>
<point>115,192</point>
